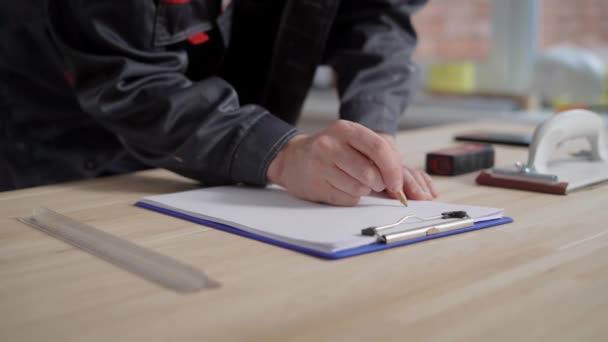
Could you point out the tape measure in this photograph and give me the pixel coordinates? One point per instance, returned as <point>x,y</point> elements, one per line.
<point>146,263</point>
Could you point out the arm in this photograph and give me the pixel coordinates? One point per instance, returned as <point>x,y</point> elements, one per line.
<point>370,48</point>
<point>129,74</point>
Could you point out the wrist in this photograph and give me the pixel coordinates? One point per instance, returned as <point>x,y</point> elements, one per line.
<point>277,165</point>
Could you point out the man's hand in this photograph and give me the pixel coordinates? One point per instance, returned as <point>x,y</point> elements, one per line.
<point>337,165</point>
<point>417,185</point>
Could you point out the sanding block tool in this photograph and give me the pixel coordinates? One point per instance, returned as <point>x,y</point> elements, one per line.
<point>542,173</point>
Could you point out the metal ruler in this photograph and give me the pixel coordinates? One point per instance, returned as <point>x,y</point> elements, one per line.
<point>146,263</point>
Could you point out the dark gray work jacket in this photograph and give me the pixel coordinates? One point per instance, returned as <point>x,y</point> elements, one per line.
<point>90,88</point>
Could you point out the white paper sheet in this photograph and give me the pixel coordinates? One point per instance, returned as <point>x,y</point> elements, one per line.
<point>273,213</point>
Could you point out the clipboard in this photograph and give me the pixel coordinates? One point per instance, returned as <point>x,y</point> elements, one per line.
<point>346,253</point>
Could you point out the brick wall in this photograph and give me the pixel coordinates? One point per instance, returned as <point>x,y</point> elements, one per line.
<point>457,30</point>
<point>451,29</point>
<point>583,22</point>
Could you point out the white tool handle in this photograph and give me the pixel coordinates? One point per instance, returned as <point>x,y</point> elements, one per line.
<point>577,123</point>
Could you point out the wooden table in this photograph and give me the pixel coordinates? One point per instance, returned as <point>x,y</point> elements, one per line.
<point>542,278</point>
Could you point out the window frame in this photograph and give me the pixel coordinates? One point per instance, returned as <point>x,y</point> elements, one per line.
<point>514,37</point>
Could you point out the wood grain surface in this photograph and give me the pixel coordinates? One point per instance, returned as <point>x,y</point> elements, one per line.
<point>542,278</point>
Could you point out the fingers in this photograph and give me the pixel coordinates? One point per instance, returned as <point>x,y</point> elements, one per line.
<point>430,184</point>
<point>336,196</point>
<point>422,184</point>
<point>417,186</point>
<point>391,140</point>
<point>360,168</point>
<point>347,184</point>
<point>378,150</point>
<point>410,186</point>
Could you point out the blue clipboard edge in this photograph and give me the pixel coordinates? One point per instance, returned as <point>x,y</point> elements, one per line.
<point>336,255</point>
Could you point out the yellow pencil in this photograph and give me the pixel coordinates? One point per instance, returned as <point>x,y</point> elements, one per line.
<point>402,198</point>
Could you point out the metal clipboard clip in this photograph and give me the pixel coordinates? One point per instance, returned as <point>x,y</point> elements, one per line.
<point>457,220</point>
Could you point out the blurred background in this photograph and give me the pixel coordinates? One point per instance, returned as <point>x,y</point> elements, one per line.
<point>515,60</point>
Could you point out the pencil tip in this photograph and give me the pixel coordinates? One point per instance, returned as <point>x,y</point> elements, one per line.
<point>402,198</point>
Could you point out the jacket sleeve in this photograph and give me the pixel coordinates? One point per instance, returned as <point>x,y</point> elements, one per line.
<point>370,49</point>
<point>138,90</point>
